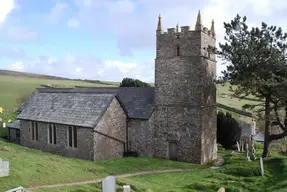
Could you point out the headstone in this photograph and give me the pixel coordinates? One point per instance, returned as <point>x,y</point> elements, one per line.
<point>4,169</point>
<point>126,188</point>
<point>18,189</point>
<point>252,150</point>
<point>4,125</point>
<point>109,184</point>
<point>253,127</point>
<point>261,167</point>
<point>1,123</point>
<point>242,146</point>
<point>247,158</point>
<point>238,146</point>
<point>221,189</point>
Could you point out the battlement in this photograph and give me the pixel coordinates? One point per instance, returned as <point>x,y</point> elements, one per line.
<point>186,29</point>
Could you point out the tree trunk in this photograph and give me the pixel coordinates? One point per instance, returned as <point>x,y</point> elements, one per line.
<point>267,126</point>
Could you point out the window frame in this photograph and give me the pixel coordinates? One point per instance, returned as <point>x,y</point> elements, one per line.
<point>72,137</point>
<point>52,134</point>
<point>35,131</point>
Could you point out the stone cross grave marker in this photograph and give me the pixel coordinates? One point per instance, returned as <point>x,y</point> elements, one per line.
<point>4,168</point>
<point>126,188</point>
<point>109,184</point>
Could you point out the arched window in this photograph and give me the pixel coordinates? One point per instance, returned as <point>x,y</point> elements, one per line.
<point>177,50</point>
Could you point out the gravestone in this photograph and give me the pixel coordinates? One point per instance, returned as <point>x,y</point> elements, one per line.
<point>1,123</point>
<point>4,125</point>
<point>242,146</point>
<point>18,189</point>
<point>238,146</point>
<point>261,167</point>
<point>4,168</point>
<point>109,184</point>
<point>126,188</point>
<point>247,158</point>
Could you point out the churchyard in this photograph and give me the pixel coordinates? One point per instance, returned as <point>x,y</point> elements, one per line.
<point>32,169</point>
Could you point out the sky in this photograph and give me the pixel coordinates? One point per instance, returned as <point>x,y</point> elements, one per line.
<point>109,39</point>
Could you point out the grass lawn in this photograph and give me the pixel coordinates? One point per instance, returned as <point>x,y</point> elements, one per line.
<point>33,167</point>
<point>12,87</point>
<point>236,175</point>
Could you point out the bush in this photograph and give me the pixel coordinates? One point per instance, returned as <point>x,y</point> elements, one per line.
<point>128,82</point>
<point>228,130</point>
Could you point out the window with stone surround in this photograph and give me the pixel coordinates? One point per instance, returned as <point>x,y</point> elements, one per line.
<point>35,135</point>
<point>72,137</point>
<point>52,133</point>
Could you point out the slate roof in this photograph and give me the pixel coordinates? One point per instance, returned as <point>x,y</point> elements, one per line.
<point>14,125</point>
<point>79,109</point>
<point>82,106</point>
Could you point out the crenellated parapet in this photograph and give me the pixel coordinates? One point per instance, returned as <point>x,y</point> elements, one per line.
<point>187,29</point>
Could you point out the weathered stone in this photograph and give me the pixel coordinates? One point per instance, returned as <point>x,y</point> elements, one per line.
<point>126,188</point>
<point>92,144</point>
<point>185,96</point>
<point>109,184</point>
<point>18,189</point>
<point>4,168</point>
<point>221,189</point>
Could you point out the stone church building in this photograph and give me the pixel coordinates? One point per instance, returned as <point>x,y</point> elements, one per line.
<point>176,119</point>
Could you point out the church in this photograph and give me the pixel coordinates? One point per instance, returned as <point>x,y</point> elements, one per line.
<point>174,120</point>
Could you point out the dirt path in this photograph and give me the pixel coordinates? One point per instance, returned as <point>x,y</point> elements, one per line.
<point>100,180</point>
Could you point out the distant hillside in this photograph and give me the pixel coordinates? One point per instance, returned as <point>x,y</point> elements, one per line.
<point>49,77</point>
<point>31,75</point>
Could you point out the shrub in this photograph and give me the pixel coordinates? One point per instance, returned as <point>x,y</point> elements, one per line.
<point>228,130</point>
<point>128,82</point>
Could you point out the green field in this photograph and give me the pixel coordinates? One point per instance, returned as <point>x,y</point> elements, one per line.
<point>33,167</point>
<point>12,87</point>
<point>30,167</point>
<point>16,86</point>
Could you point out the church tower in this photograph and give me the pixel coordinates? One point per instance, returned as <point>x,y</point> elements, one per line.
<point>185,94</point>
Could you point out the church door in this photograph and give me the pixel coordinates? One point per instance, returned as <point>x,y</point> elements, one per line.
<point>172,151</point>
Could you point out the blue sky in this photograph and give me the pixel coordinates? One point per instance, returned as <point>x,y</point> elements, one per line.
<point>108,39</point>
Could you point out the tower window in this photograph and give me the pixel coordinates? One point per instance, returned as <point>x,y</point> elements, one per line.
<point>177,50</point>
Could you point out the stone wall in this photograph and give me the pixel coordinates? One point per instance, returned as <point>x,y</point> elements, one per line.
<point>185,97</point>
<point>13,136</point>
<point>113,124</point>
<point>84,150</point>
<point>140,134</point>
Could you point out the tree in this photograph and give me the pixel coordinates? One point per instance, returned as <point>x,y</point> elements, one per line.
<point>228,130</point>
<point>256,64</point>
<point>21,100</point>
<point>129,82</point>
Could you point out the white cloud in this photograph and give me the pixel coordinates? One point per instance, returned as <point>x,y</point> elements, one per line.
<point>58,12</point>
<point>73,23</point>
<point>135,29</point>
<point>86,67</point>
<point>6,6</point>
<point>16,33</point>
<point>17,66</point>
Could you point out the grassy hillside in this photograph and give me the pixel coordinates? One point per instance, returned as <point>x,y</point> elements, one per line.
<point>29,167</point>
<point>13,85</point>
